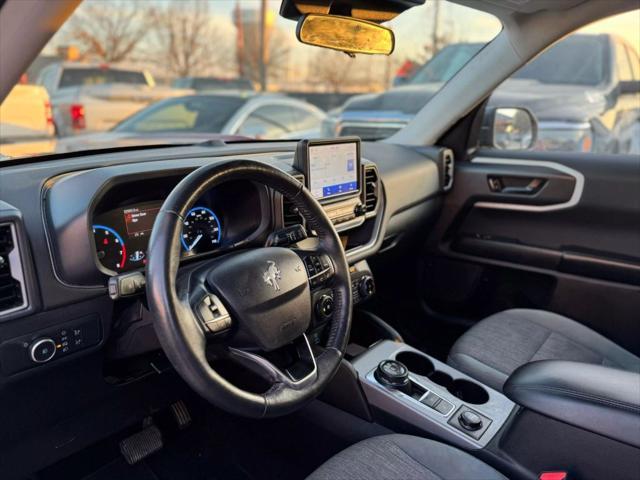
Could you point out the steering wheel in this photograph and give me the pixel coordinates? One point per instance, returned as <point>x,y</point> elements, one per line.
<point>251,306</point>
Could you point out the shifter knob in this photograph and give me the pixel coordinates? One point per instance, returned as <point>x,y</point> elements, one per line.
<point>393,374</point>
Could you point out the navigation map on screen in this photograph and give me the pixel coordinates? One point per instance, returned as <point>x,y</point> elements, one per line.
<point>333,169</point>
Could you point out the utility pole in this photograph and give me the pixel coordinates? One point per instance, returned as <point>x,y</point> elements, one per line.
<point>435,36</point>
<point>263,45</point>
<point>239,39</point>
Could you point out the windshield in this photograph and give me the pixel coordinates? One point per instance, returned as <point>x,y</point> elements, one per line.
<point>196,68</point>
<point>446,63</point>
<point>576,60</point>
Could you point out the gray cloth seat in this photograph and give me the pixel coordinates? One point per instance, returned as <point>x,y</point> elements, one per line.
<point>403,457</point>
<point>493,348</point>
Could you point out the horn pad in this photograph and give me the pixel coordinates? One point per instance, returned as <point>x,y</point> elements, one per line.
<point>267,293</point>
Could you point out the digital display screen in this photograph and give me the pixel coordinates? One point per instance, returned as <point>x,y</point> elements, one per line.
<point>333,169</point>
<point>139,221</point>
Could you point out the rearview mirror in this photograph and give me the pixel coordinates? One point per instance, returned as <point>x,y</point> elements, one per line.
<point>509,128</point>
<point>350,35</point>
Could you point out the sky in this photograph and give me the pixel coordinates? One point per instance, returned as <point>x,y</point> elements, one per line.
<point>413,30</point>
<point>477,25</point>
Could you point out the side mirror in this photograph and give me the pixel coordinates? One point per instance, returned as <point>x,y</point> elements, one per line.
<point>509,128</point>
<point>350,35</point>
<point>632,86</point>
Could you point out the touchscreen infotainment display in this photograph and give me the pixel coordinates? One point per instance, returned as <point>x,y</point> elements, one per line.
<point>333,169</point>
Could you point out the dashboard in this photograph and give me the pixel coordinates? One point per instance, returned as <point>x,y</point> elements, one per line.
<point>56,215</point>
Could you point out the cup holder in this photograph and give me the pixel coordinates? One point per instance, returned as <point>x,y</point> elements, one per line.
<point>416,363</point>
<point>468,391</point>
<point>465,390</point>
<point>443,379</point>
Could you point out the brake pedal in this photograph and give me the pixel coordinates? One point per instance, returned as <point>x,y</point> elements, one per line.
<point>142,444</point>
<point>181,414</point>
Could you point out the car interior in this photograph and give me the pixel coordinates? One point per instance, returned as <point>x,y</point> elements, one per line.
<point>229,310</point>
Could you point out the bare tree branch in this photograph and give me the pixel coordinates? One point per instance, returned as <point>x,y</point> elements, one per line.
<point>185,39</point>
<point>107,31</point>
<point>277,54</point>
<point>332,69</point>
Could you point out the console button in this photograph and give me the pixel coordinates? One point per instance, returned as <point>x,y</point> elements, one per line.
<point>470,421</point>
<point>430,400</point>
<point>443,407</point>
<point>42,350</point>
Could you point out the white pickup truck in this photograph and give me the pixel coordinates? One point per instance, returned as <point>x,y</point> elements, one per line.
<point>93,98</point>
<point>26,125</point>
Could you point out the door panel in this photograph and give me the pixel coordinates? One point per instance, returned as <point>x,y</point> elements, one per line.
<point>540,230</point>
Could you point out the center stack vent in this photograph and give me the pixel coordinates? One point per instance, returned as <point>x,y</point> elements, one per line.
<point>371,188</point>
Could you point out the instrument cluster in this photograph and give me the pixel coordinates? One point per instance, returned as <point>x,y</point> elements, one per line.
<point>219,220</point>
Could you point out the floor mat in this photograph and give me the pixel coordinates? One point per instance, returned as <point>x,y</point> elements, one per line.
<point>216,446</point>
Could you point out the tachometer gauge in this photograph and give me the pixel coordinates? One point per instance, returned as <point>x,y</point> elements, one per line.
<point>110,247</point>
<point>201,230</point>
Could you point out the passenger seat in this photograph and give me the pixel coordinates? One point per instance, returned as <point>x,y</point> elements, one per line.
<point>493,348</point>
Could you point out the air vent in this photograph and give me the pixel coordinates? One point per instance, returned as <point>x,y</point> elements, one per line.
<point>371,187</point>
<point>290,214</point>
<point>12,293</point>
<point>447,170</point>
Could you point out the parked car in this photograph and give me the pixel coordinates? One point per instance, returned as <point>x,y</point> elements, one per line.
<point>584,92</point>
<point>262,116</point>
<point>26,122</point>
<point>213,83</point>
<point>94,98</point>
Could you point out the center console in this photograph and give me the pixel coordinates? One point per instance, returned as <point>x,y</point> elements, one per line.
<point>408,385</point>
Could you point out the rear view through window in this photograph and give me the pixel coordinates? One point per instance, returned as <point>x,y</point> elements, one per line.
<point>72,77</point>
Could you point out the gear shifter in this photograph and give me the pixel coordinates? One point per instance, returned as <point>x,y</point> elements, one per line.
<point>393,374</point>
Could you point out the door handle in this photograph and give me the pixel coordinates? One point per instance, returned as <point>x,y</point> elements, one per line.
<point>515,185</point>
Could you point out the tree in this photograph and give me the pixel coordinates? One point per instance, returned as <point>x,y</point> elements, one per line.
<point>262,50</point>
<point>186,40</point>
<point>107,31</point>
<point>332,69</point>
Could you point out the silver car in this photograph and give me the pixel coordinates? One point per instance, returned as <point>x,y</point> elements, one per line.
<point>245,114</point>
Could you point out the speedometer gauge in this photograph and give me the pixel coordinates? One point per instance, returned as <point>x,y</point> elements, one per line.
<point>201,230</point>
<point>110,247</point>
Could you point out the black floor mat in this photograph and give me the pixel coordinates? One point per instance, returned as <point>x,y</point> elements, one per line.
<point>119,469</point>
<point>216,446</point>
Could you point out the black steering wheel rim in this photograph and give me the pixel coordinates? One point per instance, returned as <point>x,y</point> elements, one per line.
<point>181,337</point>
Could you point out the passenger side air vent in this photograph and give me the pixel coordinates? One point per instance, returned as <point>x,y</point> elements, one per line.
<point>371,187</point>
<point>447,170</point>
<point>12,292</point>
<point>290,214</point>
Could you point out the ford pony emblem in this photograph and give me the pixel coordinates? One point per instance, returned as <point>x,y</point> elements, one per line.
<point>271,275</point>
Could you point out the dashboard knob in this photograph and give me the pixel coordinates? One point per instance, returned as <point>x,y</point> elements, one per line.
<point>42,350</point>
<point>367,286</point>
<point>324,307</point>
<point>470,421</point>
<point>393,374</point>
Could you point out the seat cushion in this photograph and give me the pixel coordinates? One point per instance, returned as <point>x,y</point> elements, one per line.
<point>493,348</point>
<point>403,457</point>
